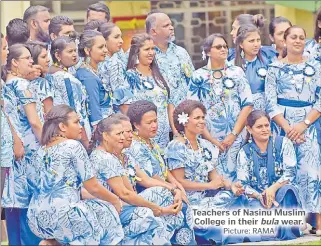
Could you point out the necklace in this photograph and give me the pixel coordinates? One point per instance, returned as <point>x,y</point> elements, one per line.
<point>206,154</point>
<point>144,80</point>
<point>60,66</point>
<point>89,67</point>
<point>156,152</point>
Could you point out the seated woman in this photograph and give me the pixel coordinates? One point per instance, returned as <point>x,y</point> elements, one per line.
<point>193,162</point>
<point>57,171</point>
<point>139,216</point>
<point>183,235</point>
<point>148,155</point>
<point>66,88</point>
<point>267,169</point>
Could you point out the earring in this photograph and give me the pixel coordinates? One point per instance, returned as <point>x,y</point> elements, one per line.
<point>203,55</point>
<point>137,61</point>
<point>242,54</point>
<point>250,138</point>
<point>319,41</point>
<point>284,45</point>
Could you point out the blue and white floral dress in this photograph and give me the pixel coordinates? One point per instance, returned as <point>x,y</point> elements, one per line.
<point>258,171</point>
<point>145,88</point>
<point>223,99</point>
<point>56,211</point>
<point>312,49</point>
<point>153,164</point>
<point>17,94</point>
<point>176,67</point>
<point>112,72</point>
<point>255,72</point>
<point>294,90</point>
<point>67,89</point>
<point>197,166</point>
<point>140,225</point>
<point>42,88</point>
<point>100,99</point>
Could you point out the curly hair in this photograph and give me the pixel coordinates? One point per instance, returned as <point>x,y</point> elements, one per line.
<point>137,110</point>
<point>187,107</point>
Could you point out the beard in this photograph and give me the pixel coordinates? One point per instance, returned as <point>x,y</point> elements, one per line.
<point>43,36</point>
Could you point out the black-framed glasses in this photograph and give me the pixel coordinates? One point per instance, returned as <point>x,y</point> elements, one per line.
<point>220,46</point>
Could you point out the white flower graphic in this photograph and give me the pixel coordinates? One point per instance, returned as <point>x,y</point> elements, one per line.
<point>183,118</point>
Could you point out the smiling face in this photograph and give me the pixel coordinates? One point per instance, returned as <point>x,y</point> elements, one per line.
<point>147,53</point>
<point>115,138</point>
<point>98,51</point>
<point>295,41</point>
<point>147,128</point>
<point>261,130</point>
<point>196,122</point>
<point>252,44</point>
<point>68,56</point>
<point>219,50</point>
<point>114,41</point>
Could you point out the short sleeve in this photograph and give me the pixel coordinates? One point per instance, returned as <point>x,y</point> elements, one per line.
<point>107,166</point>
<point>175,154</point>
<point>92,88</point>
<point>45,90</point>
<point>84,166</point>
<point>23,93</point>
<point>142,158</point>
<point>244,89</point>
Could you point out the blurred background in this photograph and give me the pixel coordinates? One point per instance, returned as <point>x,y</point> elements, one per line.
<point>193,20</point>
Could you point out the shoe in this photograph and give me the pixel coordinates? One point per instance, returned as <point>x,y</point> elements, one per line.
<point>313,230</point>
<point>318,233</point>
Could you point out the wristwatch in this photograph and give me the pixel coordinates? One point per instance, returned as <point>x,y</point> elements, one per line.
<point>307,122</point>
<point>234,133</point>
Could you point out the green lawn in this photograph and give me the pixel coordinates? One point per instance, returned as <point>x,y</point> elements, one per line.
<point>312,243</point>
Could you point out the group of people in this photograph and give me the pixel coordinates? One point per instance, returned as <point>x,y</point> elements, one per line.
<point>103,146</point>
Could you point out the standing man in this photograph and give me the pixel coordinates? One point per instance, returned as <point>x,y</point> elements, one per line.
<point>38,19</point>
<point>174,62</point>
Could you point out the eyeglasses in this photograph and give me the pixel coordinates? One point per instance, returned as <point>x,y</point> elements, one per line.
<point>220,46</point>
<point>25,57</point>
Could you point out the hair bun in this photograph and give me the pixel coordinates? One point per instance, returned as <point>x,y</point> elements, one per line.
<point>259,20</point>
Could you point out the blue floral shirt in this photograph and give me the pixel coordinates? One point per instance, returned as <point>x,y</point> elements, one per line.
<point>176,67</point>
